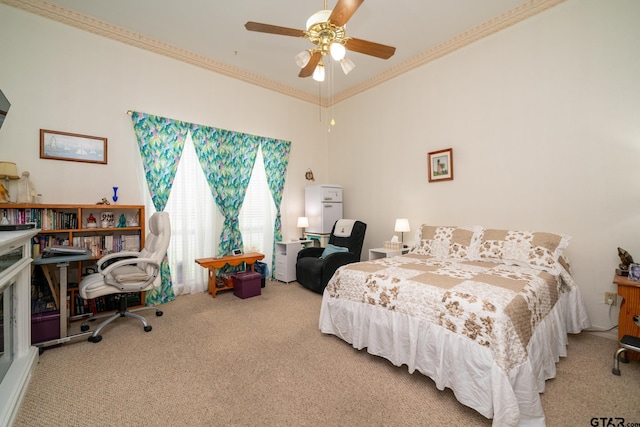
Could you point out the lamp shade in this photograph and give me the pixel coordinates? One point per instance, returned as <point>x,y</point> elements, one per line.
<point>318,73</point>
<point>303,222</point>
<point>337,51</point>
<point>8,170</point>
<point>402,225</point>
<point>303,58</point>
<point>347,65</point>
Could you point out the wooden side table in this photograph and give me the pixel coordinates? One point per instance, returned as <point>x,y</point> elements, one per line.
<point>212,264</point>
<point>630,306</point>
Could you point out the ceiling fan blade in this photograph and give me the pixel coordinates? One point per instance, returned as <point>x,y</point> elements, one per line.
<point>311,65</point>
<point>343,11</point>
<point>370,48</point>
<point>273,29</point>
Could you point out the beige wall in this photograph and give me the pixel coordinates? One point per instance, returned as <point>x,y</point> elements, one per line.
<point>544,122</point>
<point>543,117</point>
<point>60,78</point>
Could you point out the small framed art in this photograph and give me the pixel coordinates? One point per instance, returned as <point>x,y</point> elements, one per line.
<point>72,147</point>
<point>440,165</point>
<point>634,272</point>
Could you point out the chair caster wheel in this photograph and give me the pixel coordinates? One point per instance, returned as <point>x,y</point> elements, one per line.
<point>147,328</point>
<point>159,313</point>
<point>84,328</point>
<point>97,338</point>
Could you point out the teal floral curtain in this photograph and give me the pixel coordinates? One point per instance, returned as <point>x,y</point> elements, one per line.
<point>227,159</point>
<point>276,160</point>
<point>161,141</point>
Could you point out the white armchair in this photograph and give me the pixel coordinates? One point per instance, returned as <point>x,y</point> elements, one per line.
<point>125,272</point>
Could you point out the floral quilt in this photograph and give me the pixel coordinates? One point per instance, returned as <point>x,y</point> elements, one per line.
<point>493,304</point>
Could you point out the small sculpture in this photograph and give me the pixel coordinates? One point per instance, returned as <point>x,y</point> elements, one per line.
<point>4,194</point>
<point>133,220</point>
<point>104,201</point>
<point>26,191</point>
<point>122,222</point>
<point>91,221</point>
<point>625,260</point>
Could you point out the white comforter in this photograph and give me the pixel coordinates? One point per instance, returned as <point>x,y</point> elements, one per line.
<point>492,333</point>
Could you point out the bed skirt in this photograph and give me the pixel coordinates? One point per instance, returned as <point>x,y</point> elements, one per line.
<point>509,398</point>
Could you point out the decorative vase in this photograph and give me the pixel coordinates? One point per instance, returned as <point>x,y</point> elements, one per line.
<point>115,194</point>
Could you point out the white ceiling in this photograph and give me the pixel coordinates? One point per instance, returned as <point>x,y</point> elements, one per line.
<point>215,30</point>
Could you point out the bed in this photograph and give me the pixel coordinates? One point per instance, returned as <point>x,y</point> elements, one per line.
<point>484,312</point>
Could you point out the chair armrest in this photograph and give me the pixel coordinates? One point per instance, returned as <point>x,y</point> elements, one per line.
<point>310,252</point>
<point>109,259</point>
<point>129,261</point>
<point>338,259</point>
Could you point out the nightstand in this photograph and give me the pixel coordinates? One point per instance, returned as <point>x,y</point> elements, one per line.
<point>630,306</point>
<point>377,253</point>
<point>286,257</point>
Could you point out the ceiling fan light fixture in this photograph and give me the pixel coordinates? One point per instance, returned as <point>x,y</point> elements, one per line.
<point>347,65</point>
<point>316,18</point>
<point>338,51</point>
<point>318,73</point>
<point>303,58</point>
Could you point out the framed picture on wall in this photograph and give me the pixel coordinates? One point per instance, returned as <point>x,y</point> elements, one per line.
<point>440,165</point>
<point>72,147</point>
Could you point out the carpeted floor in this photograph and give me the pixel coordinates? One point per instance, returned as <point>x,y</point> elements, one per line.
<point>263,361</point>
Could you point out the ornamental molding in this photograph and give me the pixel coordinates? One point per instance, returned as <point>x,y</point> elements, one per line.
<point>101,28</point>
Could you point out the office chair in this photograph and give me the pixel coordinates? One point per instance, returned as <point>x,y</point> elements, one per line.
<point>313,270</point>
<point>124,272</point>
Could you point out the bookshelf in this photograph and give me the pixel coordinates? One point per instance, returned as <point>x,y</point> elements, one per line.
<point>116,228</point>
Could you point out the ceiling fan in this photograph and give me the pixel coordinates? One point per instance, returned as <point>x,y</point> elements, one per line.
<point>325,29</point>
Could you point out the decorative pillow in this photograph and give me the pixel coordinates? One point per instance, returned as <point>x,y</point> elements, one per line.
<point>330,249</point>
<point>447,241</point>
<point>537,250</point>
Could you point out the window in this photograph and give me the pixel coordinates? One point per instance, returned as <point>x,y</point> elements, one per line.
<point>196,221</point>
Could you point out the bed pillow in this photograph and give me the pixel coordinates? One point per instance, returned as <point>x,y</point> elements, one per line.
<point>331,249</point>
<point>448,241</point>
<point>537,250</point>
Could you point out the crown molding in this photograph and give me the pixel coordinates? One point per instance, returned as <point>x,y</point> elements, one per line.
<point>485,29</point>
<point>95,26</point>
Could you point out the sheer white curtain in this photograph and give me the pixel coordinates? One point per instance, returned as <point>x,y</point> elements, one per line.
<point>196,221</point>
<point>195,224</point>
<point>258,214</point>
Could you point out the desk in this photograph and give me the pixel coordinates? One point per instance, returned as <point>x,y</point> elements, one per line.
<point>62,262</point>
<point>630,306</point>
<point>218,262</point>
<point>321,238</point>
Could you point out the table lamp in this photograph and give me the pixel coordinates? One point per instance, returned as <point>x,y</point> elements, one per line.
<point>303,222</point>
<point>402,225</point>
<point>8,170</point>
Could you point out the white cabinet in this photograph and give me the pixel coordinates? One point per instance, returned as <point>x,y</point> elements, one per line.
<point>286,256</point>
<point>17,356</point>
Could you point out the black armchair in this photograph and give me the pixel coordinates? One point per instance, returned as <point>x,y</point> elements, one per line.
<point>314,272</point>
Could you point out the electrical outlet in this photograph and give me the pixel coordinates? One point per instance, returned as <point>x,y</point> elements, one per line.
<point>610,298</point>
